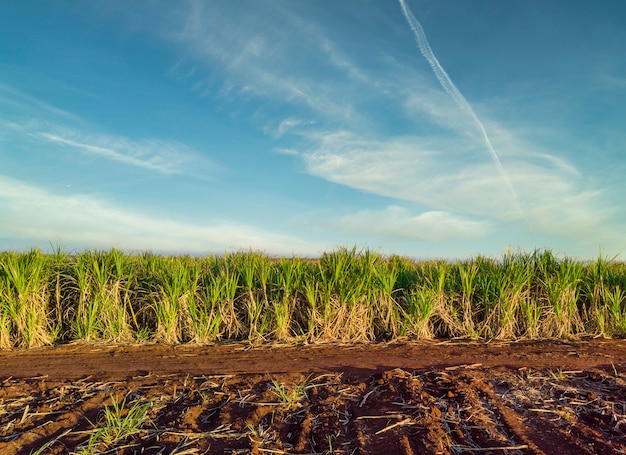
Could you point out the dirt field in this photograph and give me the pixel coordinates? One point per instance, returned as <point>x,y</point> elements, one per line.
<point>407,398</point>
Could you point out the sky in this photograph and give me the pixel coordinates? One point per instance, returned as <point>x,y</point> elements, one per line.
<point>425,128</point>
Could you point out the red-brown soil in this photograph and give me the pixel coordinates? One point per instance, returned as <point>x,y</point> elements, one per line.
<point>406,398</point>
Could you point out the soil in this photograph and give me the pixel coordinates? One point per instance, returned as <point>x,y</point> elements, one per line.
<point>451,397</point>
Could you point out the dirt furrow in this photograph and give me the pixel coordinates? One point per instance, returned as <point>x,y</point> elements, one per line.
<point>447,407</point>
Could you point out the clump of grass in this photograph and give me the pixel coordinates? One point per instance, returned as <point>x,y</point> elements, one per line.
<point>615,299</point>
<point>431,301</point>
<point>104,282</point>
<point>505,288</point>
<point>177,285</point>
<point>467,323</point>
<point>205,319</point>
<point>287,278</point>
<point>423,304</point>
<point>604,289</point>
<point>339,296</point>
<point>24,316</point>
<point>254,273</point>
<point>388,312</point>
<point>117,424</point>
<point>290,397</point>
<point>561,293</point>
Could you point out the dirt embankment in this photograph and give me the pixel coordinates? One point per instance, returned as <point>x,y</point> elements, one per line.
<point>406,398</point>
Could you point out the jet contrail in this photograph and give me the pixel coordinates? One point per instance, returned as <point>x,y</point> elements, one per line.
<point>455,94</point>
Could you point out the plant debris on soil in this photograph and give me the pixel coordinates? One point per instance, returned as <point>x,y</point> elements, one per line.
<point>455,397</point>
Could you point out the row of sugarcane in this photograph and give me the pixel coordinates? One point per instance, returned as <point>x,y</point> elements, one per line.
<point>346,295</point>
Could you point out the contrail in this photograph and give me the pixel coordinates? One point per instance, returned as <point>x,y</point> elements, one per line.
<point>455,94</point>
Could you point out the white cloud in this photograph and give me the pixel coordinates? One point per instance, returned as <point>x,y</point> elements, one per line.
<point>32,119</point>
<point>30,212</point>
<point>268,53</point>
<point>16,100</point>
<point>448,175</point>
<point>444,165</point>
<point>427,106</point>
<point>398,222</point>
<point>425,170</point>
<point>456,161</point>
<point>286,151</point>
<point>166,157</point>
<point>153,154</point>
<point>286,126</point>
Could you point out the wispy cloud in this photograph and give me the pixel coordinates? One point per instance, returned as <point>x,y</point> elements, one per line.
<point>451,89</point>
<point>286,151</point>
<point>166,157</point>
<point>277,60</point>
<point>611,77</point>
<point>32,120</point>
<point>81,220</point>
<point>435,173</point>
<point>452,157</point>
<point>431,171</point>
<point>15,100</point>
<point>398,222</point>
<point>285,126</point>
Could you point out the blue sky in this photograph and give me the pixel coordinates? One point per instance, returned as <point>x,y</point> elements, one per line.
<point>427,128</point>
